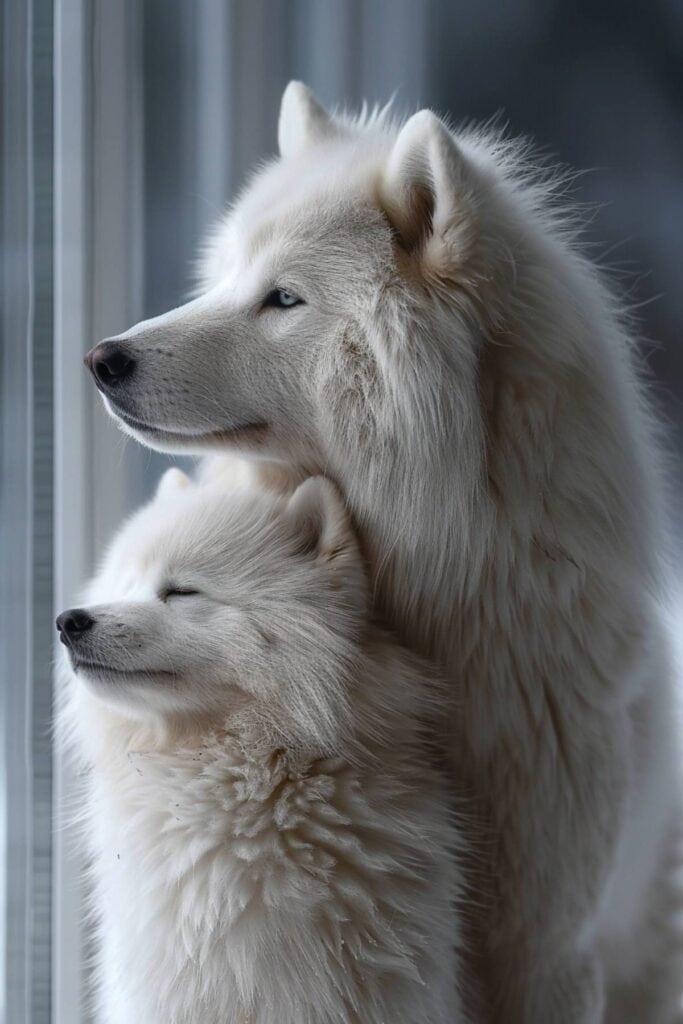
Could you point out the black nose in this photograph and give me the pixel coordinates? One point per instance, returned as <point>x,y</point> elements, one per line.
<point>73,623</point>
<point>110,363</point>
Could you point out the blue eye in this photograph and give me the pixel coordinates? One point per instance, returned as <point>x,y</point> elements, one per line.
<point>280,298</point>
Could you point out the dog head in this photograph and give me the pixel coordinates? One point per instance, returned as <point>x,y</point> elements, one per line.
<point>206,600</point>
<point>320,309</point>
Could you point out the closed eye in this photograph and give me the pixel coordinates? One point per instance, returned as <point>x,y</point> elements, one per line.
<point>280,298</point>
<point>167,593</point>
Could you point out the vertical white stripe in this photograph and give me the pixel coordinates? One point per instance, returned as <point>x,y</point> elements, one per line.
<point>72,477</point>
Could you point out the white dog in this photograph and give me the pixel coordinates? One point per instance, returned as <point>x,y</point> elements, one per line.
<point>271,843</point>
<point>406,311</point>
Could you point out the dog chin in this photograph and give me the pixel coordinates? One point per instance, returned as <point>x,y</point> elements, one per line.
<point>248,436</point>
<point>100,672</point>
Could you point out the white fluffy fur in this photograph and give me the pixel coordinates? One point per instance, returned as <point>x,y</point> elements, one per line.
<point>463,373</point>
<point>271,843</point>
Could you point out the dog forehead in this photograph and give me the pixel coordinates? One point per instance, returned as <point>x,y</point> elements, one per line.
<point>309,201</point>
<point>300,209</point>
<point>211,530</point>
<point>200,536</point>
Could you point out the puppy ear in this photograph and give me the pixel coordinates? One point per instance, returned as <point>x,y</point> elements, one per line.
<point>173,481</point>
<point>303,122</point>
<point>427,190</point>
<point>317,513</point>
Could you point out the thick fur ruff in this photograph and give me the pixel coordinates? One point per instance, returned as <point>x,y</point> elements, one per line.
<point>450,358</point>
<point>270,841</point>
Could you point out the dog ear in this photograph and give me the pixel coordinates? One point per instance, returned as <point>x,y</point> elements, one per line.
<point>322,523</point>
<point>303,121</point>
<point>173,481</point>
<point>427,191</point>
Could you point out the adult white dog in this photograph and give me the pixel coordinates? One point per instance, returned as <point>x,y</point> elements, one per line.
<point>404,309</point>
<point>271,843</point>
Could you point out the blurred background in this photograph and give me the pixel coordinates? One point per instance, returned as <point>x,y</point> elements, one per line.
<point>126,128</point>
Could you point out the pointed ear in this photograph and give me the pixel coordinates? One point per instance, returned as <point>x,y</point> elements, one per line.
<point>317,513</point>
<point>173,481</point>
<point>303,121</point>
<point>427,190</point>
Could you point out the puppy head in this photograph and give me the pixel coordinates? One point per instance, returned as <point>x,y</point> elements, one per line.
<point>209,598</point>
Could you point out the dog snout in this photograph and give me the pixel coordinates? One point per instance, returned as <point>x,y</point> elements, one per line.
<point>73,623</point>
<point>110,363</point>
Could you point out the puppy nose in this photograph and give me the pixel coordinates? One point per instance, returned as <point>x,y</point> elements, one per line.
<point>73,623</point>
<point>110,363</point>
